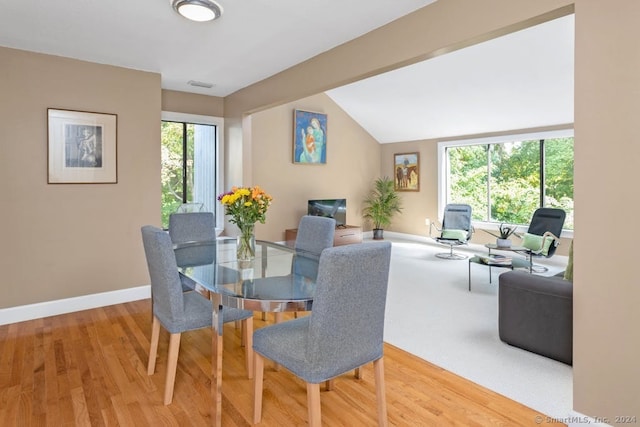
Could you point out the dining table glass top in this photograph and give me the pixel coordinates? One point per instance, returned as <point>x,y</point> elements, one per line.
<point>280,278</point>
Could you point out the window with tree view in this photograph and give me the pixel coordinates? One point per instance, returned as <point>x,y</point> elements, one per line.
<point>508,181</point>
<point>188,166</point>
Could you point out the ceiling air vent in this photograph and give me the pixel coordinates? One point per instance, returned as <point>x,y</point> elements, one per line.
<point>200,84</point>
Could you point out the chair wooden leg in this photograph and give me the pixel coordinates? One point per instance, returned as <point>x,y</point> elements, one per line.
<point>243,334</point>
<point>172,365</point>
<point>258,362</point>
<point>313,404</point>
<point>328,384</point>
<point>277,318</point>
<point>378,367</point>
<point>357,373</point>
<point>153,348</point>
<point>247,332</point>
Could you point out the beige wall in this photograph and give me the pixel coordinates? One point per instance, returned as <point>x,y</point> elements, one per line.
<point>66,240</point>
<point>192,103</point>
<point>606,295</point>
<point>353,163</point>
<point>417,205</point>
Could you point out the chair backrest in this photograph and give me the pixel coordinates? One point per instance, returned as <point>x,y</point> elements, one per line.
<point>315,233</point>
<point>347,321</point>
<point>457,216</point>
<point>166,288</point>
<point>547,219</point>
<point>192,226</point>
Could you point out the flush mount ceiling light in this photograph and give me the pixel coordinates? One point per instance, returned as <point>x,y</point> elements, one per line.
<point>197,10</point>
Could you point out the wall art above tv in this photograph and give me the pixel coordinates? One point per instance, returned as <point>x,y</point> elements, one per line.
<point>309,137</point>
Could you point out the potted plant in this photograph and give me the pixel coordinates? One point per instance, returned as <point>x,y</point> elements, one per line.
<point>381,204</point>
<point>504,232</point>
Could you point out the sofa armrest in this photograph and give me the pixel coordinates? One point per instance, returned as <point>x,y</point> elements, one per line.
<point>536,313</point>
<point>550,286</point>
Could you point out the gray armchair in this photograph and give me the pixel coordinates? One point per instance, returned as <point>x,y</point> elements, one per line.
<point>543,235</point>
<point>535,313</point>
<point>456,229</point>
<point>343,332</point>
<point>176,310</point>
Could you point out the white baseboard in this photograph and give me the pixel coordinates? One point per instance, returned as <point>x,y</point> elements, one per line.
<point>68,305</point>
<point>405,236</point>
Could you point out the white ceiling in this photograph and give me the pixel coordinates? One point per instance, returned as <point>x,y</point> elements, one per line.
<point>519,81</point>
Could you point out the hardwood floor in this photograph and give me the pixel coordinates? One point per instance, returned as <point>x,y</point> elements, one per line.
<point>89,369</point>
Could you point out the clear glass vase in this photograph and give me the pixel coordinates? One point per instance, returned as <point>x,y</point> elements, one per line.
<point>246,244</point>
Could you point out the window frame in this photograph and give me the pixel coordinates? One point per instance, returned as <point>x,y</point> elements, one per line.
<point>218,122</point>
<point>443,172</point>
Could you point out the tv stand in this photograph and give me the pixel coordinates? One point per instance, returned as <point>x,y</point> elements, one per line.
<point>344,235</point>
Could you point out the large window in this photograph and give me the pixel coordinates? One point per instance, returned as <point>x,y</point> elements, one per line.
<point>507,180</point>
<point>190,162</point>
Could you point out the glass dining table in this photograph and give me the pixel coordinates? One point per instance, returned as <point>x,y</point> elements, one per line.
<point>279,279</point>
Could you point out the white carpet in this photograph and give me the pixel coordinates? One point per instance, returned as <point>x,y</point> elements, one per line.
<point>430,313</point>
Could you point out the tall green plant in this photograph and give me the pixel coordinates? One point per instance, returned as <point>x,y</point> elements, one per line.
<point>382,203</point>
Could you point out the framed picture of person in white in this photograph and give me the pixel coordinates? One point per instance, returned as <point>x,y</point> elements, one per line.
<point>82,147</point>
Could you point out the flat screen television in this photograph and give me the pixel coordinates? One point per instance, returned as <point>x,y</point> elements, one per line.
<point>331,208</point>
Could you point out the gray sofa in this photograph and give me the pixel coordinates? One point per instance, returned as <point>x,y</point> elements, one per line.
<point>535,313</point>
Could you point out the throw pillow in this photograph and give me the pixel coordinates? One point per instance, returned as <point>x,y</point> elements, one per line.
<point>533,242</point>
<point>568,273</point>
<point>455,235</point>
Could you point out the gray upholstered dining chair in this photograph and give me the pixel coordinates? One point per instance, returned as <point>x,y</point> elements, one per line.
<point>191,226</point>
<point>315,233</point>
<point>177,311</point>
<point>343,332</point>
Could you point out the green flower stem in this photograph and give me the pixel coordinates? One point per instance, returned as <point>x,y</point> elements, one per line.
<point>246,244</point>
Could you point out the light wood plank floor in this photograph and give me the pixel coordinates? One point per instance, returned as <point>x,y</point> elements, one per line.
<point>89,369</point>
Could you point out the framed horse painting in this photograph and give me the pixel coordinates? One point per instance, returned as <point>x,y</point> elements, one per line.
<point>406,171</point>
